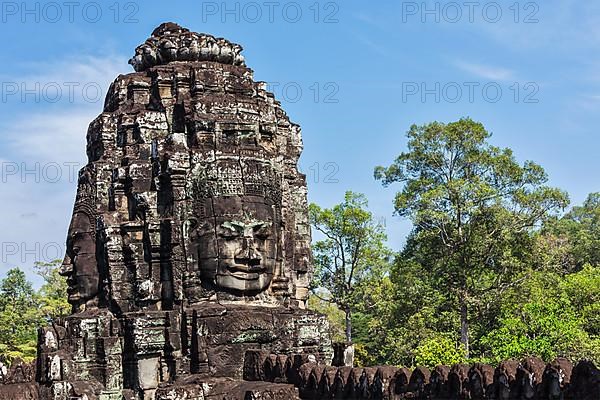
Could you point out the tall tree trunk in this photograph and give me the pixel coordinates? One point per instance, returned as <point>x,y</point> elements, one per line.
<point>348,325</point>
<point>464,324</point>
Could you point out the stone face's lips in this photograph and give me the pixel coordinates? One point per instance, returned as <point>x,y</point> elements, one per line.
<point>245,275</point>
<point>171,42</point>
<point>246,268</point>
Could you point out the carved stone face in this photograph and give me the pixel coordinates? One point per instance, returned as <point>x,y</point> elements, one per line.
<point>80,265</point>
<point>238,252</point>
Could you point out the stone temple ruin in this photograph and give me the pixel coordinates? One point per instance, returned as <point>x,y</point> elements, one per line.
<point>188,255</point>
<point>189,243</point>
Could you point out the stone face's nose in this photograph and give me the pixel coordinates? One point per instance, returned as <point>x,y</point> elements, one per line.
<point>248,252</point>
<point>66,267</point>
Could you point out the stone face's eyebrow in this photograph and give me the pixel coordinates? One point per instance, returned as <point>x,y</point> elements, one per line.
<point>77,235</point>
<point>261,224</point>
<point>246,134</point>
<point>235,225</point>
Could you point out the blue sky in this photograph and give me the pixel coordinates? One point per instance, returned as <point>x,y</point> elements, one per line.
<point>354,74</point>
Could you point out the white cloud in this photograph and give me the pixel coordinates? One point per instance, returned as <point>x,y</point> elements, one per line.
<point>486,71</point>
<point>375,47</point>
<point>45,134</point>
<point>75,78</point>
<point>586,103</point>
<point>49,136</point>
<point>561,25</point>
<point>35,208</point>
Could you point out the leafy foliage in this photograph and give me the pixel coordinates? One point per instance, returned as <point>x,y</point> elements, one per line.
<point>350,256</point>
<point>23,310</point>
<point>438,350</point>
<point>543,318</point>
<point>574,239</point>
<point>53,293</point>
<point>473,207</point>
<point>19,315</point>
<point>335,316</point>
<point>487,239</point>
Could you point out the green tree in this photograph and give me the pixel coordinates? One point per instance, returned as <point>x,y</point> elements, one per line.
<point>350,255</point>
<point>473,207</point>
<point>545,316</point>
<point>583,291</point>
<point>438,350</point>
<point>374,338</point>
<point>19,317</point>
<point>421,311</point>
<point>334,315</point>
<point>574,240</point>
<point>53,293</point>
<point>23,310</point>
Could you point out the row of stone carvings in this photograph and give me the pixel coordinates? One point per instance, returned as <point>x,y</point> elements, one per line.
<point>531,379</point>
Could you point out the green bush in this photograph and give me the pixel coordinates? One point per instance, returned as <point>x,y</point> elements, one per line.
<point>439,350</point>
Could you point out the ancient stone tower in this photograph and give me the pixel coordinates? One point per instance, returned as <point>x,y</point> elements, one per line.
<point>189,246</point>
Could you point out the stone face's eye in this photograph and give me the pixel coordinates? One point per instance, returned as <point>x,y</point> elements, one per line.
<point>228,232</point>
<point>262,231</point>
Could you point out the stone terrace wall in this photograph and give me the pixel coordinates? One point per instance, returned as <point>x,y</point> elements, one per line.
<point>270,376</point>
<point>529,379</point>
